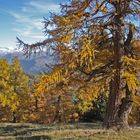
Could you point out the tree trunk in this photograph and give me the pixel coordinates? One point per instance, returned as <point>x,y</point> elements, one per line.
<point>117,110</point>
<point>113,101</point>
<point>125,108</point>
<point>14,117</point>
<point>57,117</point>
<point>117,115</point>
<point>36,104</point>
<point>112,108</point>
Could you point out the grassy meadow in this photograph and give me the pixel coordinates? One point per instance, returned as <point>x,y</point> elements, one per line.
<point>77,131</point>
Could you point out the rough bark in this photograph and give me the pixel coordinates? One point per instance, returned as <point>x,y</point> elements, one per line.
<point>117,116</point>
<point>125,108</point>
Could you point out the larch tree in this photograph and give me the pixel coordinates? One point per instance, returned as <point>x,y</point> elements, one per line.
<point>97,38</point>
<point>14,91</point>
<point>19,81</point>
<point>5,89</point>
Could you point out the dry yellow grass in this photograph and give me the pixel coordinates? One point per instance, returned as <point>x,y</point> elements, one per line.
<point>82,131</point>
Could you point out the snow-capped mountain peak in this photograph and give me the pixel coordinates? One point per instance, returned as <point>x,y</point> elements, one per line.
<point>5,50</point>
<point>30,65</point>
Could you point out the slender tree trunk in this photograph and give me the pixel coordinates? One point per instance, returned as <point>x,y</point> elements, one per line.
<point>14,117</point>
<point>36,104</point>
<point>57,116</point>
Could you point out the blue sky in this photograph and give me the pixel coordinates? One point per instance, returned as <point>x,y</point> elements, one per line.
<point>23,18</point>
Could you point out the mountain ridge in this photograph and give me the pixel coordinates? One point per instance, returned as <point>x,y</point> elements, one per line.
<point>34,64</point>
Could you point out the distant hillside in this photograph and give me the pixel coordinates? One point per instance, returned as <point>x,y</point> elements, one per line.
<point>35,64</point>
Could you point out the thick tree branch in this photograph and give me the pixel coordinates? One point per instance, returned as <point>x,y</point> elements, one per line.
<point>129,36</point>
<point>99,71</point>
<point>127,43</point>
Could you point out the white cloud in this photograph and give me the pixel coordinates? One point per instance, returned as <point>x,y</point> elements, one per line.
<point>29,33</point>
<point>10,43</point>
<point>27,27</point>
<point>28,21</point>
<point>41,7</point>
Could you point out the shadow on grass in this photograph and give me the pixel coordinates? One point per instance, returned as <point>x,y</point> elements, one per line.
<point>10,129</point>
<point>34,138</point>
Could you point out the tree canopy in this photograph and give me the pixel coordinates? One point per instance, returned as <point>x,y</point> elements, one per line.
<point>97,47</point>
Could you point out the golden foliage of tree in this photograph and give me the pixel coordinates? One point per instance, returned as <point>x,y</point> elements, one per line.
<point>20,84</point>
<point>5,88</point>
<point>134,117</point>
<point>54,100</point>
<point>95,39</point>
<point>14,91</point>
